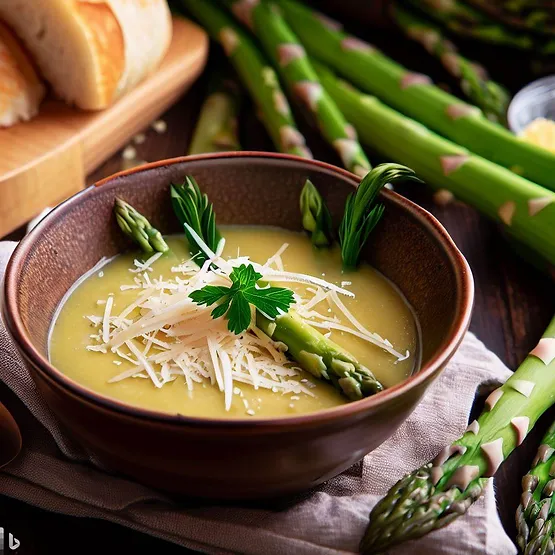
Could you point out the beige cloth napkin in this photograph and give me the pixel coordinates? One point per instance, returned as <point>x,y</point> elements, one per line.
<point>54,473</point>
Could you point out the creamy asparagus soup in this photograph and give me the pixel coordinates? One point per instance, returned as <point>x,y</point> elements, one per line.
<point>131,331</point>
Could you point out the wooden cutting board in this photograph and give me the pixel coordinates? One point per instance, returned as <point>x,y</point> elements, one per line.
<point>46,160</point>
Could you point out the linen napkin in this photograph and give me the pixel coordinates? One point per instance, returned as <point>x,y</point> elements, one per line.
<point>54,473</point>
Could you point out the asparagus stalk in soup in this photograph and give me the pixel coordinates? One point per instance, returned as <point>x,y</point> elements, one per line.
<point>235,322</point>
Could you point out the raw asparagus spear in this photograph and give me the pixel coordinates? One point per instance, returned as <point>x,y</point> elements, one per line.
<point>442,490</point>
<point>138,228</point>
<point>465,21</point>
<point>316,216</point>
<point>320,356</point>
<point>534,17</point>
<point>535,516</point>
<point>288,56</point>
<point>526,210</point>
<point>216,129</point>
<point>416,96</point>
<point>256,73</point>
<point>488,95</point>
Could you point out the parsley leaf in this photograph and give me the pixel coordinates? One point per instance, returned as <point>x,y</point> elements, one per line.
<point>235,301</point>
<point>209,295</point>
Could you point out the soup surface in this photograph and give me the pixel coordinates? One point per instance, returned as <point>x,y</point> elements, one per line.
<point>77,335</point>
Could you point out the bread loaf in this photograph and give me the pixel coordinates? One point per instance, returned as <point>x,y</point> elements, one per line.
<point>92,51</point>
<point>21,90</point>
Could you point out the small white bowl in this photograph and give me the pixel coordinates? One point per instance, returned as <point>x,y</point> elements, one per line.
<point>536,100</point>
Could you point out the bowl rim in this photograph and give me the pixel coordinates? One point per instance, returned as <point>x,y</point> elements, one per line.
<point>16,328</point>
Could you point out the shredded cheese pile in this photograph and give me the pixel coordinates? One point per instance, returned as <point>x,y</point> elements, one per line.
<point>164,335</point>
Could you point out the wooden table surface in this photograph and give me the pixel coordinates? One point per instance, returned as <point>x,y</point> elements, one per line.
<point>513,305</point>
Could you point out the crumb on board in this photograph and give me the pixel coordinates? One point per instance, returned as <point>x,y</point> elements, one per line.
<point>160,126</point>
<point>129,153</point>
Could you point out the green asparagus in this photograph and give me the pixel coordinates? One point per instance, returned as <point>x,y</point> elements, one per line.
<point>320,356</point>
<point>463,20</point>
<point>414,95</point>
<point>316,216</point>
<point>526,210</point>
<point>138,228</point>
<point>488,95</point>
<point>256,73</point>
<point>532,17</point>
<point>442,490</point>
<point>288,56</point>
<point>216,129</point>
<point>535,516</point>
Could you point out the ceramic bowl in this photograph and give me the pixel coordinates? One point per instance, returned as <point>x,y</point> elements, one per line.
<point>536,100</point>
<point>233,459</point>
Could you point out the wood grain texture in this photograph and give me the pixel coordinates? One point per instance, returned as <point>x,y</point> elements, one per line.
<point>45,160</point>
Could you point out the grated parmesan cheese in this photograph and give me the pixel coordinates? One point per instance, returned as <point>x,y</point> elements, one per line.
<point>163,335</point>
<point>146,265</point>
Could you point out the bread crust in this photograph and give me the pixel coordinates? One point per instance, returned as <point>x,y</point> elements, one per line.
<point>106,40</point>
<point>21,90</point>
<point>92,51</point>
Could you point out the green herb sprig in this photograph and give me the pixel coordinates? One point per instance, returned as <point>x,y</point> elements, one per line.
<point>193,208</point>
<point>362,212</point>
<point>235,301</point>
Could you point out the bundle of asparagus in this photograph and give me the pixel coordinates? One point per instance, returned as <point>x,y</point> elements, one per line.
<point>416,96</point>
<point>464,20</point>
<point>289,57</point>
<point>442,490</point>
<point>526,210</point>
<point>488,95</point>
<point>256,74</point>
<point>528,15</point>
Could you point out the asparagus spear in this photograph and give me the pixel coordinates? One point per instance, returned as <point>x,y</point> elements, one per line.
<point>414,95</point>
<point>316,216</point>
<point>216,129</point>
<point>488,95</point>
<point>535,516</point>
<point>465,21</point>
<point>138,228</point>
<point>526,210</point>
<point>320,356</point>
<point>532,17</point>
<point>288,56</point>
<point>256,74</point>
<point>442,490</point>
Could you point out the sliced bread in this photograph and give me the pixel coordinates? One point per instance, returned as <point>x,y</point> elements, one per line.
<point>92,51</point>
<point>21,90</point>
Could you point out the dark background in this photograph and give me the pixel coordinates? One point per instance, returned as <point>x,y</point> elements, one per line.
<point>514,302</point>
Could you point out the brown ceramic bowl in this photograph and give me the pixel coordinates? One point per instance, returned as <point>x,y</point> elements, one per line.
<point>232,458</point>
